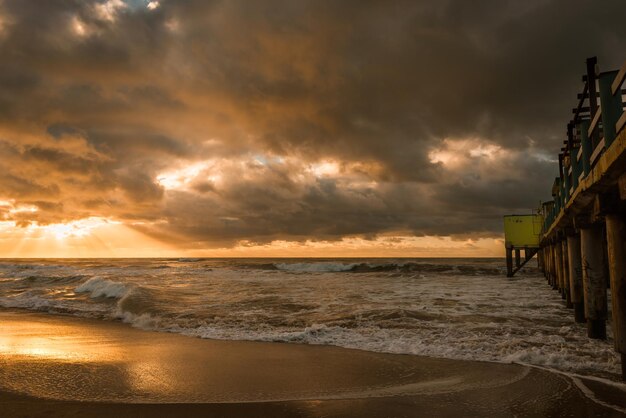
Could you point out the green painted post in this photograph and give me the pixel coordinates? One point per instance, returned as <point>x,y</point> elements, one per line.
<point>611,106</point>
<point>576,168</point>
<point>585,141</point>
<point>566,184</point>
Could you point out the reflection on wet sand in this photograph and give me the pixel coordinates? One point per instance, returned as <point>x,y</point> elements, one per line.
<point>73,359</point>
<point>50,357</point>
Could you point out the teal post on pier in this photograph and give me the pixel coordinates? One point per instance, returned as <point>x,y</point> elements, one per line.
<point>585,142</point>
<point>610,105</point>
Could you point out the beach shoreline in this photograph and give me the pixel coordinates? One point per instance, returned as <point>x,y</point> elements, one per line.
<point>95,368</point>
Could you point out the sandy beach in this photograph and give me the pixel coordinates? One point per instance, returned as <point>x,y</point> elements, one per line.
<point>91,368</point>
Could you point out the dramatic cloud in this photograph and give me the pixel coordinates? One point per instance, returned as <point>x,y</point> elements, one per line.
<point>211,124</point>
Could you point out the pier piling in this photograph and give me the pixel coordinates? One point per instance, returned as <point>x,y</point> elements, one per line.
<point>548,259</point>
<point>555,277</point>
<point>575,277</point>
<point>566,279</point>
<point>616,244</point>
<point>594,281</point>
<point>558,260</point>
<point>582,238</point>
<point>509,262</point>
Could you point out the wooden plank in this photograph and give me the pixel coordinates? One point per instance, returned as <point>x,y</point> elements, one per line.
<point>528,255</point>
<point>578,109</point>
<point>578,96</point>
<point>620,123</point>
<point>594,122</point>
<point>597,152</point>
<point>619,79</point>
<point>586,109</point>
<point>580,153</point>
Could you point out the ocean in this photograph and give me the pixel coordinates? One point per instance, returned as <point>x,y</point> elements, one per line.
<point>449,308</point>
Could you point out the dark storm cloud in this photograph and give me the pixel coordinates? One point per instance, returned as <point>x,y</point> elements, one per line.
<point>99,98</point>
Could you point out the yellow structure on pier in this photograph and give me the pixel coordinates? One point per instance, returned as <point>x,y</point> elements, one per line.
<point>522,231</point>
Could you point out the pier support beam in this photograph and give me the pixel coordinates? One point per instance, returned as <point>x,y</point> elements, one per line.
<point>576,277</point>
<point>565,270</point>
<point>518,258</point>
<point>616,243</point>
<point>509,261</point>
<point>558,259</point>
<point>546,264</point>
<point>594,280</point>
<point>555,282</point>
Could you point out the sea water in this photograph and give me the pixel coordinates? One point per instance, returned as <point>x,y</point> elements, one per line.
<point>451,308</point>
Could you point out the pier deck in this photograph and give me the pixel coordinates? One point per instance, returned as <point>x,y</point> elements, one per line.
<point>582,245</point>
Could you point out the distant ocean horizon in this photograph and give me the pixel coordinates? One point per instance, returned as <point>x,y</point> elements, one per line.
<point>458,308</point>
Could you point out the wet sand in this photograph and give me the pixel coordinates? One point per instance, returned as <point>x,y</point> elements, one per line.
<point>56,366</point>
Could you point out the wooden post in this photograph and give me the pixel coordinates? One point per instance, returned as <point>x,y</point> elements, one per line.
<point>565,269</point>
<point>509,261</point>
<point>555,276</point>
<point>594,281</point>
<point>585,143</point>
<point>593,99</point>
<point>576,277</point>
<point>518,258</point>
<point>549,260</point>
<point>528,254</point>
<point>616,243</point>
<point>540,260</point>
<point>545,262</point>
<point>611,106</point>
<point>558,259</point>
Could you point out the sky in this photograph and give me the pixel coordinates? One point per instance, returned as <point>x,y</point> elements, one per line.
<point>285,128</point>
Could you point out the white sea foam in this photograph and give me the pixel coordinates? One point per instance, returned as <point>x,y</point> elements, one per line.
<point>35,301</point>
<point>143,321</point>
<point>458,309</point>
<point>321,267</point>
<point>100,287</point>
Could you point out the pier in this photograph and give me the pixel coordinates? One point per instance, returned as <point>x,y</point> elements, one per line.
<point>582,242</point>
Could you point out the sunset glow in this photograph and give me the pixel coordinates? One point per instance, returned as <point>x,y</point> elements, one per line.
<point>290,127</point>
<point>283,208</point>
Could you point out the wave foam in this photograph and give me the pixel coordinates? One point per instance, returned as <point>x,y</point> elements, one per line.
<point>99,287</point>
<point>315,267</point>
<point>408,267</point>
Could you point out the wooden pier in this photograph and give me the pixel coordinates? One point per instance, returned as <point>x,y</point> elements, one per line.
<point>583,239</point>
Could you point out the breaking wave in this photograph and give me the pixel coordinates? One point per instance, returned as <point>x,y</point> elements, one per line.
<point>99,287</point>
<point>463,309</point>
<point>314,267</point>
<point>333,267</point>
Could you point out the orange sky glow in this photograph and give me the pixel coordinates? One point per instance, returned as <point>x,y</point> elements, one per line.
<point>97,237</point>
<point>136,128</point>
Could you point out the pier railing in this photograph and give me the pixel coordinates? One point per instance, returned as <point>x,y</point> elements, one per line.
<point>592,130</point>
<point>582,247</point>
